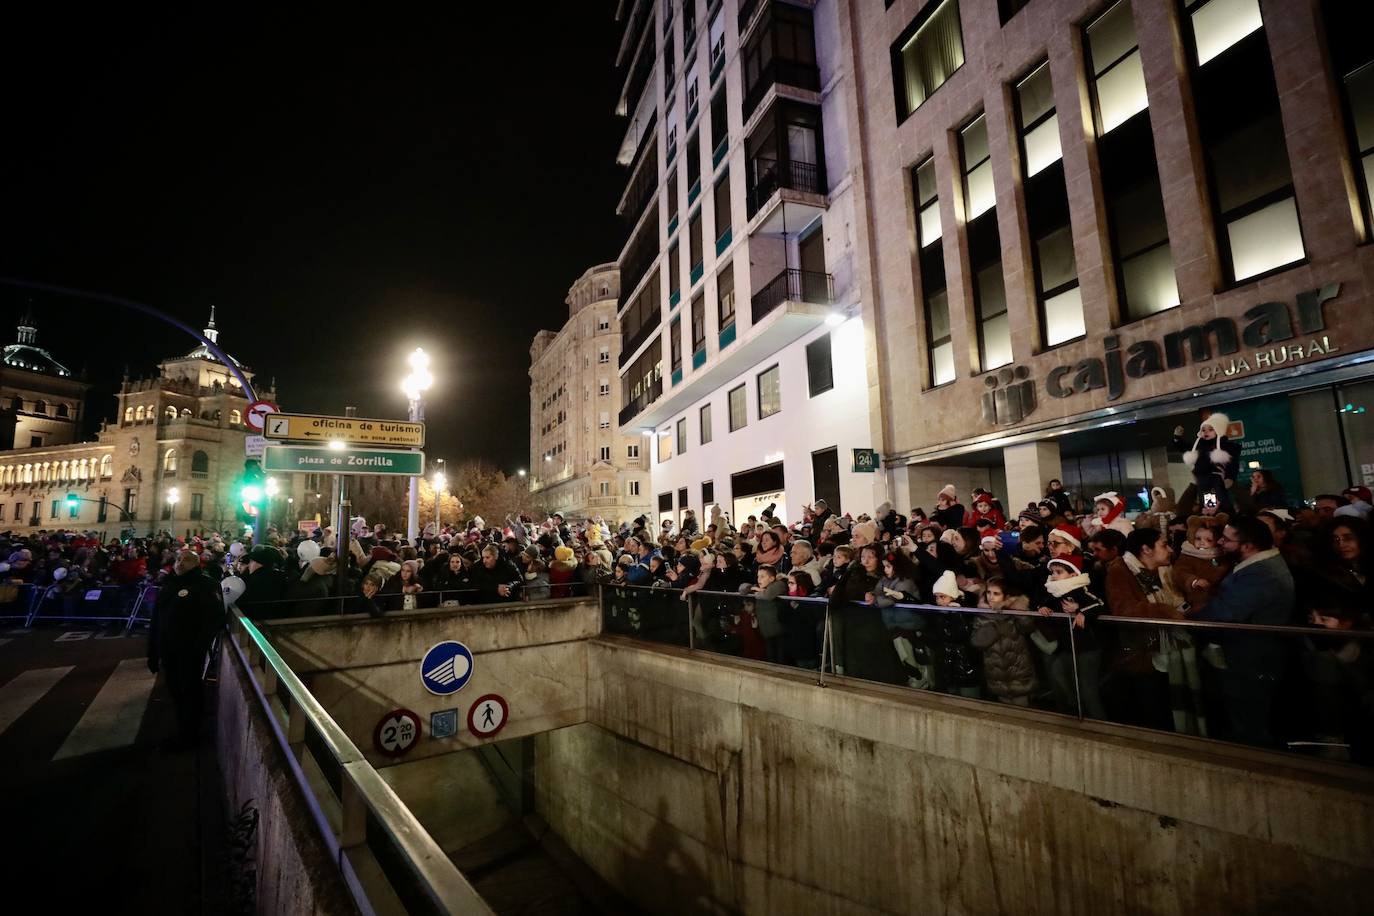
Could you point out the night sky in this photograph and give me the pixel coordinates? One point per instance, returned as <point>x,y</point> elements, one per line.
<point>343,190</point>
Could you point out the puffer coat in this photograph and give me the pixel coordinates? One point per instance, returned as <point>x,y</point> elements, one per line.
<point>1008,667</point>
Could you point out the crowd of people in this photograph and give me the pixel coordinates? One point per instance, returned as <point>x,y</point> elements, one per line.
<point>1031,607</point>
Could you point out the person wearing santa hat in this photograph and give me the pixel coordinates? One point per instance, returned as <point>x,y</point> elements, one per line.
<point>1108,512</point>
<point>1214,460</point>
<point>1066,539</point>
<point>1067,592</point>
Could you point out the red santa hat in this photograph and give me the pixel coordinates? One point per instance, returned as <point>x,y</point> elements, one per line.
<point>1073,563</point>
<point>1071,533</point>
<point>1111,498</point>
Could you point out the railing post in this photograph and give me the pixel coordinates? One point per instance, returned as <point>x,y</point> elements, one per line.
<point>691,621</point>
<point>1073,652</point>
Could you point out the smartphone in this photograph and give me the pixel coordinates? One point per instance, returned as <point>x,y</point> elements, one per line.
<point>1209,500</point>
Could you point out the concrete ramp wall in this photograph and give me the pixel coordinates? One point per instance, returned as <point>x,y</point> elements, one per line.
<point>534,655</point>
<point>724,787</point>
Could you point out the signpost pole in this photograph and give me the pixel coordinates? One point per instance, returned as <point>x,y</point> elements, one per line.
<point>341,532</point>
<point>417,415</point>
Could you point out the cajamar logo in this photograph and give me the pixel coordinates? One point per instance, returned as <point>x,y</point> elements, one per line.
<point>1010,397</point>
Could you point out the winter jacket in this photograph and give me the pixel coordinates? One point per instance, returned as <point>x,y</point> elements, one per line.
<point>188,613</point>
<point>1260,591</point>
<point>263,595</point>
<point>973,517</point>
<point>766,609</point>
<point>1192,564</point>
<point>951,517</point>
<point>1211,466</point>
<point>561,573</point>
<point>1078,590</point>
<point>486,582</point>
<point>1008,667</point>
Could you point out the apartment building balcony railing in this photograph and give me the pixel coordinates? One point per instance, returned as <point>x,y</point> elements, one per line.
<point>631,345</point>
<point>784,72</point>
<point>767,176</point>
<point>793,285</point>
<point>645,398</point>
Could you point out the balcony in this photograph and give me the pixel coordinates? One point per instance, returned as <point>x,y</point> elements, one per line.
<point>781,72</point>
<point>642,188</point>
<point>798,307</point>
<point>783,198</point>
<point>640,403</point>
<point>792,285</point>
<point>630,346</point>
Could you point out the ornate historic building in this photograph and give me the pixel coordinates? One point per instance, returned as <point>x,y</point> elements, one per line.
<point>167,460</point>
<point>41,401</point>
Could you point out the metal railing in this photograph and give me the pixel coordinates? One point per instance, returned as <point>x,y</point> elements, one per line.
<point>366,809</point>
<point>646,397</point>
<point>1082,673</point>
<point>75,601</point>
<point>767,176</point>
<point>795,286</point>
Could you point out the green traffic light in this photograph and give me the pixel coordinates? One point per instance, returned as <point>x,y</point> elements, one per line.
<point>252,494</point>
<point>73,500</point>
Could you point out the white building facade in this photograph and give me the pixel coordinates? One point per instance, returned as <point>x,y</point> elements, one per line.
<point>744,344</point>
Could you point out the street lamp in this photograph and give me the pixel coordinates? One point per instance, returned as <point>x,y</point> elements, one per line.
<point>173,497</point>
<point>414,387</point>
<point>521,472</point>
<point>440,481</point>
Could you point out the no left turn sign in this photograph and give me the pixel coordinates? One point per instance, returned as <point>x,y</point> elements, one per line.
<point>257,414</point>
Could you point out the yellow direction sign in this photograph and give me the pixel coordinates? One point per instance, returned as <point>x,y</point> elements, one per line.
<point>301,427</point>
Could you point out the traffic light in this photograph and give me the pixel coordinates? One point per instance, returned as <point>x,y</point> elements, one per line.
<point>251,490</point>
<point>73,503</point>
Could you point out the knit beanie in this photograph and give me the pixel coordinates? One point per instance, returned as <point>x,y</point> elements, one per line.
<point>950,491</point>
<point>947,584</point>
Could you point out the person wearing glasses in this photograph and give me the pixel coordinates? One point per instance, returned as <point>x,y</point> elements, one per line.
<point>1258,590</point>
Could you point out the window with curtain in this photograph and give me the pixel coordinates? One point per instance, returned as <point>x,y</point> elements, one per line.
<point>770,392</point>
<point>725,296</point>
<point>1126,158</point>
<point>1058,299</point>
<point>931,262</point>
<point>926,55</point>
<point>984,248</point>
<point>698,309</point>
<point>675,344</point>
<point>704,426</point>
<point>1241,131</point>
<point>739,408</point>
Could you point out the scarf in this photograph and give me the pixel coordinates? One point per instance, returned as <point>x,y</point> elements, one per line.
<point>1061,587</point>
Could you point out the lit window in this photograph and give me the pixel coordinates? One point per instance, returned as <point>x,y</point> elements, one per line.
<point>665,445</point>
<point>985,248</point>
<point>770,392</point>
<point>927,54</point>
<point>704,417</point>
<point>1352,54</point>
<point>739,408</point>
<point>681,435</point>
<point>1118,78</point>
<point>939,347</point>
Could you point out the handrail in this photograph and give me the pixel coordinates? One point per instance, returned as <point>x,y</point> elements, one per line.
<point>363,788</point>
<point>1011,612</point>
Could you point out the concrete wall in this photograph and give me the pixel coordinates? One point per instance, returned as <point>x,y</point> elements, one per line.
<point>294,871</point>
<point>533,655</point>
<point>732,788</point>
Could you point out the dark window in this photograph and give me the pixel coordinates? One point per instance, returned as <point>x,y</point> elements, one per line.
<point>720,124</point>
<point>675,344</point>
<point>682,498</point>
<point>825,477</point>
<point>640,318</point>
<point>1352,53</point>
<point>708,496</point>
<point>197,505</point>
<point>722,206</point>
<point>694,250</point>
<point>665,502</point>
<point>1058,299</point>
<point>698,322</point>
<point>674,271</point>
<point>642,383</point>
<point>725,295</point>
<point>693,162</point>
<point>1241,131</point>
<point>926,54</point>
<point>820,375</point>
<point>200,464</point>
<point>1008,8</point>
<point>671,188</point>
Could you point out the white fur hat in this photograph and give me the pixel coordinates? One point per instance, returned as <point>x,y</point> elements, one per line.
<point>948,490</point>
<point>1219,423</point>
<point>947,585</point>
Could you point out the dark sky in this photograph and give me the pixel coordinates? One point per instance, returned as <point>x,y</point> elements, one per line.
<point>343,190</point>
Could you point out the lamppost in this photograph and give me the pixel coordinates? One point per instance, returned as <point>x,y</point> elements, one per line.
<point>173,497</point>
<point>440,481</point>
<point>414,386</point>
<point>271,489</point>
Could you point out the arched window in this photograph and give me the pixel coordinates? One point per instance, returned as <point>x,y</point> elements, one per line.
<point>169,461</point>
<point>62,411</point>
<point>235,418</point>
<point>200,464</point>
<point>107,466</point>
<point>138,413</point>
<point>128,415</point>
<point>171,412</point>
<point>185,413</point>
<point>40,406</point>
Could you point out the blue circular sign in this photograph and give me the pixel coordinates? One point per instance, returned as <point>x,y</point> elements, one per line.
<point>446,668</point>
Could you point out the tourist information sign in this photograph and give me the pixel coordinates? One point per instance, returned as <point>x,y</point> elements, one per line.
<point>303,427</point>
<point>316,460</point>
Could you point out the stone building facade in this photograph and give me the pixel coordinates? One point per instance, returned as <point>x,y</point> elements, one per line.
<point>580,465</point>
<point>167,460</point>
<point>41,401</point>
<point>1091,221</point>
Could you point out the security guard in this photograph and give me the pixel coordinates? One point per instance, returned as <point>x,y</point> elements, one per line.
<point>188,613</point>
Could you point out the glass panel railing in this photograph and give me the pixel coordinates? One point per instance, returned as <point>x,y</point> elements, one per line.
<point>782,630</point>
<point>391,600</point>
<point>1305,689</point>
<point>653,614</point>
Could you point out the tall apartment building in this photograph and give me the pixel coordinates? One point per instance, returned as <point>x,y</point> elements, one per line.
<point>1091,220</point>
<point>742,360</point>
<point>580,464</point>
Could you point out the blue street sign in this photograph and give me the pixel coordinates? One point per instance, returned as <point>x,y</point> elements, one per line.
<point>446,668</point>
<point>443,724</point>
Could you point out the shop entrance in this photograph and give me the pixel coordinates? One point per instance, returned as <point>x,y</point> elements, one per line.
<point>754,490</point>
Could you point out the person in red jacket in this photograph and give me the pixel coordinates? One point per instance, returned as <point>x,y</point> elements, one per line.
<point>562,571</point>
<point>985,507</point>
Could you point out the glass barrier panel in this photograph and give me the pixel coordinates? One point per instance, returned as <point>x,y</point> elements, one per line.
<point>653,614</point>
<point>1304,689</point>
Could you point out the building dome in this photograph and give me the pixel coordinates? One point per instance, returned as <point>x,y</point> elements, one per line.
<point>26,354</point>
<point>212,334</point>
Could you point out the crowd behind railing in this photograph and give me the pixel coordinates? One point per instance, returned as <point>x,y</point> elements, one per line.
<point>1227,613</point>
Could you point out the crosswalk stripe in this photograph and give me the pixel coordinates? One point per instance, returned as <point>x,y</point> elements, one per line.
<point>113,718</point>
<point>26,689</point>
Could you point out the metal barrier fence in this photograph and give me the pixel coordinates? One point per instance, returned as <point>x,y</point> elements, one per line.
<point>388,861</point>
<point>1300,688</point>
<point>126,604</point>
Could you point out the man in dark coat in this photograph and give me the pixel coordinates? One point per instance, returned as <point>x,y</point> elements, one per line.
<point>188,613</point>
<point>495,578</point>
<point>265,585</point>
